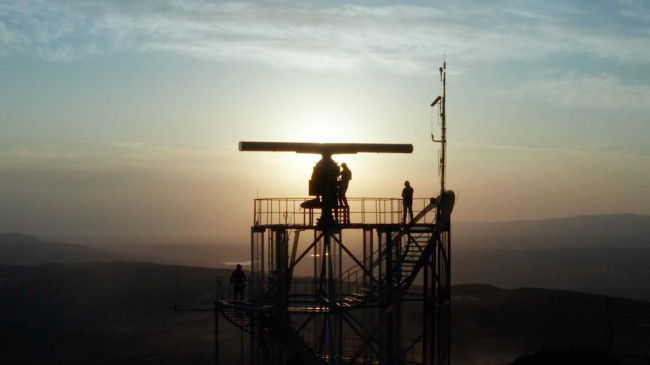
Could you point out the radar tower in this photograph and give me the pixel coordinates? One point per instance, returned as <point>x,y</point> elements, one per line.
<point>382,298</point>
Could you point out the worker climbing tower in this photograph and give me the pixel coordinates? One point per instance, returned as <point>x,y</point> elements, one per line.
<point>333,283</point>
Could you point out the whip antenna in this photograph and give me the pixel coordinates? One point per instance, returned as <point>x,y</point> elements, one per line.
<point>441,101</point>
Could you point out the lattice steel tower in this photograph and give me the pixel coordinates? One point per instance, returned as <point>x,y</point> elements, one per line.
<point>382,297</point>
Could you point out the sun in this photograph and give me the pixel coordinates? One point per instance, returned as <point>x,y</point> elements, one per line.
<point>323,128</point>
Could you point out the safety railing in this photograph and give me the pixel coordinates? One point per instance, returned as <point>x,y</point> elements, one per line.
<point>372,211</point>
<point>221,292</point>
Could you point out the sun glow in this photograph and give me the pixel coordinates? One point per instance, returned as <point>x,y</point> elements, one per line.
<point>324,128</point>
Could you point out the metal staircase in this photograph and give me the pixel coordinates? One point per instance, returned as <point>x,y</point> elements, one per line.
<point>418,238</point>
<point>236,315</point>
<point>366,289</point>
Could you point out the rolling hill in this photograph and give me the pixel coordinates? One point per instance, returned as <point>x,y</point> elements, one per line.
<point>124,313</point>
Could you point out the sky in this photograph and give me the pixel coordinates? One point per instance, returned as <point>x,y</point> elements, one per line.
<point>124,117</point>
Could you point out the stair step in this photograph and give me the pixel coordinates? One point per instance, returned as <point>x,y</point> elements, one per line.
<point>418,229</point>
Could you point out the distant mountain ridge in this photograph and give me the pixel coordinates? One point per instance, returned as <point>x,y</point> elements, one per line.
<point>588,231</point>
<point>620,272</point>
<point>21,249</point>
<point>15,238</point>
<point>601,254</point>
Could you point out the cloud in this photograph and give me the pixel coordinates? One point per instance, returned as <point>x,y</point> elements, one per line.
<point>149,155</point>
<point>604,92</point>
<point>401,37</point>
<point>601,149</point>
<point>43,152</point>
<point>119,155</point>
<point>635,9</point>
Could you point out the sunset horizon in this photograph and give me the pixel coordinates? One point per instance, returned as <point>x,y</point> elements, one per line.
<point>125,118</point>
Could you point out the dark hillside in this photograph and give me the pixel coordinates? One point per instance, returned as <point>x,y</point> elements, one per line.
<point>498,324</point>
<point>106,313</point>
<point>123,313</point>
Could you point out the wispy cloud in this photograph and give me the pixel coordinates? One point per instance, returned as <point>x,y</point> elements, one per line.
<point>113,155</point>
<point>400,38</point>
<point>44,152</point>
<point>592,150</point>
<point>149,155</point>
<point>635,9</point>
<point>585,91</point>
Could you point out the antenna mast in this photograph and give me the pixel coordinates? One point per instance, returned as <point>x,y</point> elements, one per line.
<point>442,163</point>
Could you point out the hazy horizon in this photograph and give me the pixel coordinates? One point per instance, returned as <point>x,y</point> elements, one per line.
<point>244,237</point>
<point>208,238</point>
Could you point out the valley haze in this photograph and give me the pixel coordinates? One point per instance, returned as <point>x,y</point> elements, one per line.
<point>600,254</point>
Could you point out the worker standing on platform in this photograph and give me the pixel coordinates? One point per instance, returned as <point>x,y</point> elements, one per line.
<point>407,201</point>
<point>344,180</point>
<point>324,184</point>
<point>238,281</point>
<point>346,176</point>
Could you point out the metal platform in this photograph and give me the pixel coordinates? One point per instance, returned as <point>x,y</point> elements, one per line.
<point>382,297</point>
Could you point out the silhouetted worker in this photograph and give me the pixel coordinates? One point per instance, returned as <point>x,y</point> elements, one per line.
<point>407,201</point>
<point>238,281</point>
<point>323,183</point>
<point>346,176</point>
